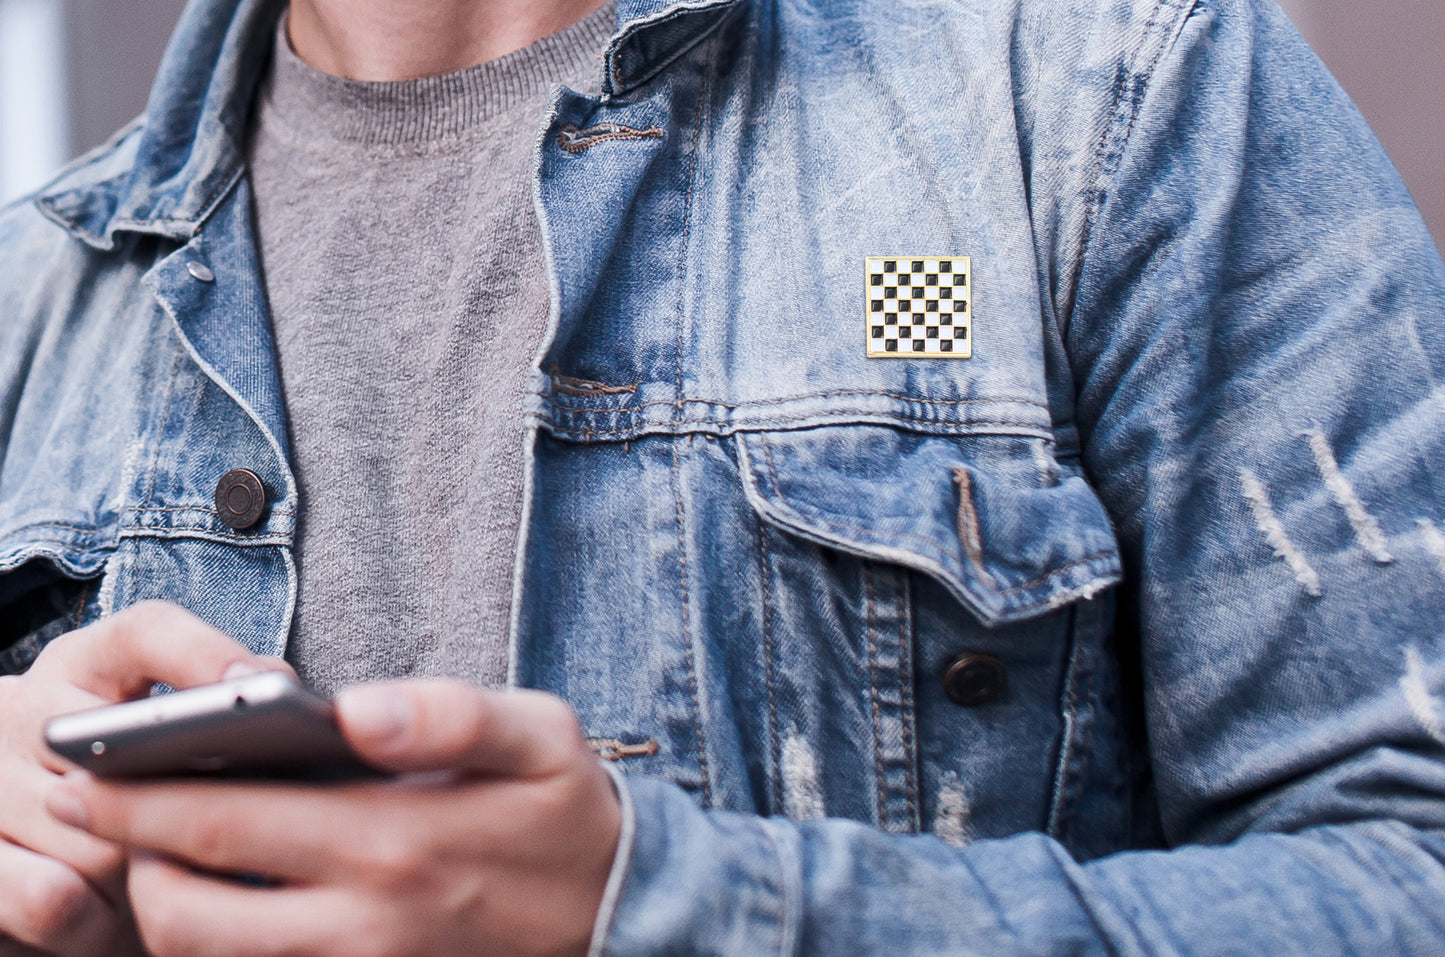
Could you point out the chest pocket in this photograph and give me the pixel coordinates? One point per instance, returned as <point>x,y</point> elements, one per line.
<point>990,522</point>
<point>1007,530</point>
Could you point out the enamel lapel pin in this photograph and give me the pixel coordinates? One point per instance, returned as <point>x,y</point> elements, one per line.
<point>918,307</point>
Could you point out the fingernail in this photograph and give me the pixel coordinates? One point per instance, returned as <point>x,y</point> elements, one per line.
<point>66,807</point>
<point>241,669</point>
<point>382,714</point>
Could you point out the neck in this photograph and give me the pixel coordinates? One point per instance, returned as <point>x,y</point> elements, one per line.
<point>406,39</point>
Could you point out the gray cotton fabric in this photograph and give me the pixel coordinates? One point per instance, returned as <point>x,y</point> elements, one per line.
<point>404,270</point>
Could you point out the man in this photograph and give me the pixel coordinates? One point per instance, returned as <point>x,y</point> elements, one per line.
<point>839,612</point>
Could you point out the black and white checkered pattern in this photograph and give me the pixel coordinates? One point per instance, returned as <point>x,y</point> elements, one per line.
<point>918,308</point>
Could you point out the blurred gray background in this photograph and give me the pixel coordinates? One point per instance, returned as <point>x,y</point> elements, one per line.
<point>1390,56</point>
<point>71,71</point>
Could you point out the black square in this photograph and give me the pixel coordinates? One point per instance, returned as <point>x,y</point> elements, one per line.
<point>932,280</point>
<point>890,319</point>
<point>877,279</point>
<point>877,332</point>
<point>905,280</point>
<point>891,345</point>
<point>919,345</point>
<point>946,319</point>
<point>919,292</point>
<point>890,293</point>
<point>931,332</point>
<point>945,266</point>
<point>960,279</point>
<point>933,305</point>
<point>905,332</point>
<point>890,265</point>
<point>918,265</point>
<point>945,346</point>
<point>877,305</point>
<point>946,292</point>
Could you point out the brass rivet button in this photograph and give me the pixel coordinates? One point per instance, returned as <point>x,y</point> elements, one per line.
<point>200,271</point>
<point>975,679</point>
<point>240,498</point>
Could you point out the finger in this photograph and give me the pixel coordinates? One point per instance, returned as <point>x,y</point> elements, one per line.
<point>294,833</point>
<point>184,914</point>
<point>450,725</point>
<point>27,824</point>
<point>149,643</point>
<point>25,704</point>
<point>46,905</point>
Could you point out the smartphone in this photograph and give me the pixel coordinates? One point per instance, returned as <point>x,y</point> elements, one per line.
<point>266,726</point>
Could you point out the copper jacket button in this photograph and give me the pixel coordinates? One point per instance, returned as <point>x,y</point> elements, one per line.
<point>240,498</point>
<point>974,679</point>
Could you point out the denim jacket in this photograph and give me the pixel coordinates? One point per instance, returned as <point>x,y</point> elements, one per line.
<point>1121,635</point>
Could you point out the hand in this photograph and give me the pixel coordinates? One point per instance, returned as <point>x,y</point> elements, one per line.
<point>62,891</point>
<point>506,852</point>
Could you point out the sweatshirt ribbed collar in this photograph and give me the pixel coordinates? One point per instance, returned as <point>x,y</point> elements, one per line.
<point>428,111</point>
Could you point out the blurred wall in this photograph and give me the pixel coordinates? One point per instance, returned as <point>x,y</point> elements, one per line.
<point>113,49</point>
<point>71,73</point>
<point>34,133</point>
<point>1390,56</point>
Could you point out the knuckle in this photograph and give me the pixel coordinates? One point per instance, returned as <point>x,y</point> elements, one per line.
<point>558,731</point>
<point>477,715</point>
<point>559,718</point>
<point>452,718</point>
<point>208,836</point>
<point>147,616</point>
<point>102,860</point>
<point>56,902</point>
<point>393,856</point>
<point>577,792</point>
<point>153,609</point>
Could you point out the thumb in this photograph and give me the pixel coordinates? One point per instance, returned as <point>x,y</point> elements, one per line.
<point>446,725</point>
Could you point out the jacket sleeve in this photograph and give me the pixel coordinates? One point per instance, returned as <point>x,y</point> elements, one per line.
<point>1253,322</point>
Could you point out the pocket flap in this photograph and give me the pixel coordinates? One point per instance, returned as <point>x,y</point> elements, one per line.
<point>1008,538</point>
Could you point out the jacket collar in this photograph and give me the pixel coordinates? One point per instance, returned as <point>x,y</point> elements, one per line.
<point>164,177</point>
<point>190,149</point>
<point>653,33</point>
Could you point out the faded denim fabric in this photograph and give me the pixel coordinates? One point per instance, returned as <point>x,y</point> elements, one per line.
<point>1206,322</point>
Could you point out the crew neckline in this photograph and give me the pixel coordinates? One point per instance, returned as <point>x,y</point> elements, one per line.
<point>431,110</point>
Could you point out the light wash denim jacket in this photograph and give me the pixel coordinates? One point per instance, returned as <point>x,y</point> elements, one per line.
<point>1207,326</point>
